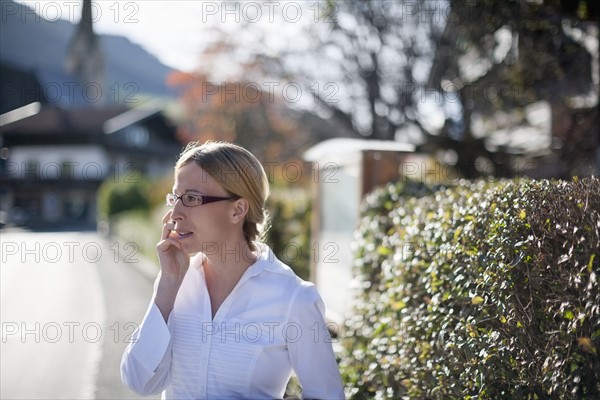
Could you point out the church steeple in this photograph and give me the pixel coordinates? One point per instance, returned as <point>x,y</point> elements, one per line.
<point>84,54</point>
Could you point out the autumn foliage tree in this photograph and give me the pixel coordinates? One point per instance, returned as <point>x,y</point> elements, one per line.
<point>239,112</point>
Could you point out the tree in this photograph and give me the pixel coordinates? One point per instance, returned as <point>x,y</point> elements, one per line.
<point>241,111</point>
<point>434,72</point>
<point>527,52</point>
<point>474,61</point>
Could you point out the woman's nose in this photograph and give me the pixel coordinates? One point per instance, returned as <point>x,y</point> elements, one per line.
<point>177,213</point>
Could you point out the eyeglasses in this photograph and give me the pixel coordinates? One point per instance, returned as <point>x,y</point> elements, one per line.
<point>193,200</point>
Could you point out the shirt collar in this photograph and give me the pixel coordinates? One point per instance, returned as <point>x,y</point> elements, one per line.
<point>267,261</point>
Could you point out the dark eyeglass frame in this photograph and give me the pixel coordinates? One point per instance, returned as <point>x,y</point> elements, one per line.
<point>186,197</point>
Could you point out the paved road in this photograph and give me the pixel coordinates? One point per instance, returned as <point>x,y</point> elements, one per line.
<point>69,301</point>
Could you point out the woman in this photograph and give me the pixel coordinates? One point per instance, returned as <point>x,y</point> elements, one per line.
<point>227,320</point>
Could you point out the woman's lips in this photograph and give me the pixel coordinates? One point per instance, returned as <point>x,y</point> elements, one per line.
<point>183,235</point>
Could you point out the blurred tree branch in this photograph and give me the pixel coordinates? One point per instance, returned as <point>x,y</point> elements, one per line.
<point>427,72</point>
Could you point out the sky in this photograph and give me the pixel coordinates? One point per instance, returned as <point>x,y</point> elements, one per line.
<point>177,31</point>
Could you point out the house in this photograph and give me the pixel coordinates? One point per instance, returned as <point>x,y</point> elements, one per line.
<point>54,159</point>
<point>65,123</point>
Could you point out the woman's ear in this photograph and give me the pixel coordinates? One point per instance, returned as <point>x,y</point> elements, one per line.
<point>240,209</point>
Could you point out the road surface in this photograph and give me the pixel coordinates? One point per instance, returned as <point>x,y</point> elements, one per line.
<point>69,302</point>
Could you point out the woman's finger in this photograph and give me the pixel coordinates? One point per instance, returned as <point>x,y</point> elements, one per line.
<point>165,243</point>
<point>166,230</point>
<point>168,225</point>
<point>167,216</point>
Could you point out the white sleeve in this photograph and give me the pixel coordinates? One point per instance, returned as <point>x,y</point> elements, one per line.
<point>146,362</point>
<point>311,352</point>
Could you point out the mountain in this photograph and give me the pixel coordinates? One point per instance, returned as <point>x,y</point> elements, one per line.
<point>35,45</point>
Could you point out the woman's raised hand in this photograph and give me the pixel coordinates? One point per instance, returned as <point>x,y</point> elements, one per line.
<point>174,261</point>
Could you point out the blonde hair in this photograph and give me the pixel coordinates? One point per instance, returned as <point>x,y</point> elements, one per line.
<point>241,174</point>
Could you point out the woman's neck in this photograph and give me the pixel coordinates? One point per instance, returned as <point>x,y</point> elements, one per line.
<point>228,261</point>
<point>223,271</point>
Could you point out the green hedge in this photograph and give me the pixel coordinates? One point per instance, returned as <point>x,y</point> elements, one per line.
<point>115,197</point>
<point>289,232</point>
<point>485,290</point>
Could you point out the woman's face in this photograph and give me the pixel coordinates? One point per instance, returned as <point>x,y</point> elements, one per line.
<point>204,228</point>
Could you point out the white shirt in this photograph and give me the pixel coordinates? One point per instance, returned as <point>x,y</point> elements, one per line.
<point>270,324</point>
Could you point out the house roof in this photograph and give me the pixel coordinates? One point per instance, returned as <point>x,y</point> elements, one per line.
<point>41,125</point>
<point>129,117</point>
<point>53,120</point>
<point>19,87</point>
<point>342,147</point>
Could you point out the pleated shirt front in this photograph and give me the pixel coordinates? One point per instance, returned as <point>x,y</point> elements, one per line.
<point>270,325</point>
